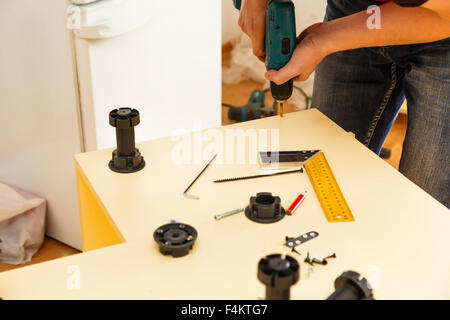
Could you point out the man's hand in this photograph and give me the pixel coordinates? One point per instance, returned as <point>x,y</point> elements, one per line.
<point>401,26</point>
<point>306,57</point>
<point>252,21</point>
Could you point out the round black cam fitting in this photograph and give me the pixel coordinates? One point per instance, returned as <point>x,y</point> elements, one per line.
<point>265,208</point>
<point>126,158</point>
<point>175,239</point>
<point>278,274</point>
<point>349,286</point>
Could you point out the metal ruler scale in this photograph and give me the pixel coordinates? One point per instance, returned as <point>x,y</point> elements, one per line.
<point>327,190</point>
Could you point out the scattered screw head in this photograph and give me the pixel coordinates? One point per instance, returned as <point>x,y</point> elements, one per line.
<point>308,259</point>
<point>318,261</point>
<point>333,256</point>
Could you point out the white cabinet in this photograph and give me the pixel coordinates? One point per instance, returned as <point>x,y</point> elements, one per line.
<point>57,85</point>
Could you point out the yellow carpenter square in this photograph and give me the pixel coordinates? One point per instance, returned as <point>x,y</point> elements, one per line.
<point>327,190</point>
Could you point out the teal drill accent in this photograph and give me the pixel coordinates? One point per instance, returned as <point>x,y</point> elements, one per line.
<point>256,99</point>
<point>244,114</point>
<point>252,110</point>
<point>280,28</point>
<point>280,41</point>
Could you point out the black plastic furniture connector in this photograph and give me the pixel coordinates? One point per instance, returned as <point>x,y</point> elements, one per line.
<point>278,274</point>
<point>265,208</point>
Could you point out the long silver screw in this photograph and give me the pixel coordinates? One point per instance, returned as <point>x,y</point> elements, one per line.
<point>228,213</point>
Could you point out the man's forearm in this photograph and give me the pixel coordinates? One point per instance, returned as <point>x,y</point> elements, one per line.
<point>257,2</point>
<point>428,23</point>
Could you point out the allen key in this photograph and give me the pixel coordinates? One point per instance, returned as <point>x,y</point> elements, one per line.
<point>185,194</point>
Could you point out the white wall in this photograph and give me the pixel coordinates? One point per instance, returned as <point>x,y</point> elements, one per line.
<point>39,132</point>
<point>230,15</point>
<point>307,12</point>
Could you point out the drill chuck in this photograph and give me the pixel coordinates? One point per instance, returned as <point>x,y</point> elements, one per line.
<point>283,91</point>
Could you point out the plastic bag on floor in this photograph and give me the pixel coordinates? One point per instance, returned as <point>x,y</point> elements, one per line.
<point>245,66</point>
<point>22,224</point>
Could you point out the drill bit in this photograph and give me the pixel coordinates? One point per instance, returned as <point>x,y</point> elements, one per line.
<point>281,108</point>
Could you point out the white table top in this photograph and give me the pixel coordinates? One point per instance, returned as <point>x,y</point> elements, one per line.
<point>400,232</point>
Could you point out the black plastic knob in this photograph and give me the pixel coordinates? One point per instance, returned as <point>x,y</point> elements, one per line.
<point>126,158</point>
<point>278,274</point>
<point>265,208</point>
<point>176,239</point>
<point>349,286</point>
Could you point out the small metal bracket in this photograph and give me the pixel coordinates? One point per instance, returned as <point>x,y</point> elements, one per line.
<point>293,242</point>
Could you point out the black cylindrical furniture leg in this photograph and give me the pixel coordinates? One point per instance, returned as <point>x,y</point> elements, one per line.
<point>125,142</point>
<point>273,294</point>
<point>350,286</point>
<point>126,158</point>
<point>278,274</point>
<point>346,292</point>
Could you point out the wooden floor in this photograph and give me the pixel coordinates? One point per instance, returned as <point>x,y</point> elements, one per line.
<point>236,94</point>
